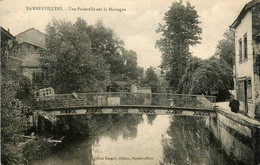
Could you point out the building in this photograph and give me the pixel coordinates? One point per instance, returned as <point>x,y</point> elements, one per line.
<point>28,48</point>
<point>7,41</point>
<point>32,36</point>
<point>247,59</point>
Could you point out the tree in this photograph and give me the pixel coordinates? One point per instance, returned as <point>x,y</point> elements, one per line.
<point>130,70</point>
<point>122,62</point>
<point>69,55</point>
<point>106,44</point>
<point>202,76</point>
<point>226,48</point>
<point>180,31</point>
<point>85,58</point>
<point>13,86</point>
<point>213,75</point>
<point>151,80</point>
<point>186,84</point>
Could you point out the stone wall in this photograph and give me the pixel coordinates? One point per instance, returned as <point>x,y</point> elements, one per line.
<point>256,59</point>
<point>29,57</point>
<point>238,135</point>
<point>14,64</point>
<point>257,79</point>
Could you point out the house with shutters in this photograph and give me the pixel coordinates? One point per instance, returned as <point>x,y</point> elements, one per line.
<point>247,59</point>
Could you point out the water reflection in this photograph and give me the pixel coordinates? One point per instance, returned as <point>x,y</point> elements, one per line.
<point>142,148</point>
<point>190,143</point>
<point>71,154</point>
<point>142,139</point>
<point>151,118</point>
<point>114,125</point>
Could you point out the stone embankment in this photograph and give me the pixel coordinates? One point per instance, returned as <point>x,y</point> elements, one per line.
<point>238,135</point>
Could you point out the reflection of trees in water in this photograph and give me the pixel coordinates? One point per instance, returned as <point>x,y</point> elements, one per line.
<point>188,143</point>
<point>76,127</point>
<point>83,130</point>
<point>91,127</point>
<point>80,127</point>
<point>114,125</point>
<point>151,118</point>
<point>69,154</point>
<point>79,153</point>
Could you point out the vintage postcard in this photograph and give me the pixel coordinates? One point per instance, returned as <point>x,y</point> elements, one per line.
<point>130,82</point>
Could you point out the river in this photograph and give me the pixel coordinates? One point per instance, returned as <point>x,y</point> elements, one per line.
<point>143,140</point>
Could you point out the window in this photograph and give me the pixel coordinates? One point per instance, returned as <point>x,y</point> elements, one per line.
<point>257,66</point>
<point>245,46</point>
<point>249,89</point>
<point>240,50</point>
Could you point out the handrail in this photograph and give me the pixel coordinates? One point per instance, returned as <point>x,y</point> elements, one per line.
<point>128,98</point>
<point>207,96</point>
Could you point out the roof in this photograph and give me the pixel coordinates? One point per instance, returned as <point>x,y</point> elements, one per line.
<point>31,44</point>
<point>243,12</point>
<point>32,36</point>
<point>16,45</point>
<point>6,33</point>
<point>30,30</point>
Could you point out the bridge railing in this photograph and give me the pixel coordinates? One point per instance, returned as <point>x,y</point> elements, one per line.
<point>138,99</point>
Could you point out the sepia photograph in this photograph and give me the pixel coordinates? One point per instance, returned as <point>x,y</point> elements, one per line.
<point>130,82</point>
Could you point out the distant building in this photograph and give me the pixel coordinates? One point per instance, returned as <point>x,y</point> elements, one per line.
<point>247,59</point>
<point>28,48</point>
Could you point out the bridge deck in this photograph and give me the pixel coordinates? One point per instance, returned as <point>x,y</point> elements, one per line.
<point>132,109</point>
<point>125,103</point>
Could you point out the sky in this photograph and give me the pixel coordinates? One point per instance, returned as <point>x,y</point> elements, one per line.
<point>136,25</point>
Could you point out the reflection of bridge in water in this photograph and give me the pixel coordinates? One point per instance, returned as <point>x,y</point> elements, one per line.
<point>127,103</point>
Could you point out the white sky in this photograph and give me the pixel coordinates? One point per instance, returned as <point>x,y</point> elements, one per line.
<point>136,26</point>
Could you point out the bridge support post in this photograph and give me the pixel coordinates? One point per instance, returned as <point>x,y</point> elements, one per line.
<point>35,121</point>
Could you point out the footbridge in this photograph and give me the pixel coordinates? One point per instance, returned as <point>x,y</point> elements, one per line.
<point>127,103</point>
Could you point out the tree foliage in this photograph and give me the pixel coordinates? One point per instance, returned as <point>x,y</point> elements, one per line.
<point>226,48</point>
<point>150,79</point>
<point>206,75</point>
<point>74,66</point>
<point>13,86</point>
<point>186,84</point>
<point>85,58</point>
<point>106,44</point>
<point>180,31</point>
<point>130,69</point>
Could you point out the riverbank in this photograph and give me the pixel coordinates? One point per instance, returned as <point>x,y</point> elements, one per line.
<point>238,135</point>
